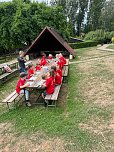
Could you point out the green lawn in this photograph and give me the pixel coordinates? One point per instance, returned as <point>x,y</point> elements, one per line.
<point>59,121</point>
<point>80,123</point>
<point>89,53</point>
<point>111,46</point>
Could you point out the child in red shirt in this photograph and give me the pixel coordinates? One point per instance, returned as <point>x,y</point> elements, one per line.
<point>21,85</point>
<point>62,59</point>
<point>50,57</point>
<point>49,84</point>
<point>31,71</point>
<point>38,67</point>
<point>60,64</point>
<point>58,75</point>
<point>43,61</point>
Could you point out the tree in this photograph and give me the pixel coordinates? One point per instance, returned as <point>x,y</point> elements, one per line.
<point>75,11</point>
<point>21,22</point>
<point>107,16</point>
<point>95,7</point>
<point>7,12</point>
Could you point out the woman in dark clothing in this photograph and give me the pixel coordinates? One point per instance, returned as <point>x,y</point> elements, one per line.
<point>21,62</point>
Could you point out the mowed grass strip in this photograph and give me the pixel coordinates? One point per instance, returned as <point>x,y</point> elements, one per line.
<point>90,53</point>
<point>111,46</point>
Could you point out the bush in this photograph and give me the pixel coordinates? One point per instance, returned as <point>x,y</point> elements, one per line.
<point>112,34</point>
<point>113,40</point>
<point>100,36</point>
<point>83,44</point>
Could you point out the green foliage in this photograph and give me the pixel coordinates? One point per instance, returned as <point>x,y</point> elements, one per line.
<point>107,16</point>
<point>21,21</point>
<point>100,36</point>
<point>94,12</point>
<point>74,10</point>
<point>112,34</point>
<point>7,12</point>
<point>83,44</point>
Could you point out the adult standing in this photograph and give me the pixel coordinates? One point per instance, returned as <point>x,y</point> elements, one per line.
<point>21,62</point>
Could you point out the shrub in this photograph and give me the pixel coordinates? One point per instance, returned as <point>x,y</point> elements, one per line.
<point>112,34</point>
<point>100,36</point>
<point>113,40</point>
<point>83,44</point>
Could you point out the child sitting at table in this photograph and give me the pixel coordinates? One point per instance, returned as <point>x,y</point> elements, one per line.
<point>38,67</point>
<point>31,71</point>
<point>49,84</point>
<point>21,85</point>
<point>60,64</point>
<point>50,57</point>
<point>62,59</point>
<point>58,74</point>
<point>43,60</point>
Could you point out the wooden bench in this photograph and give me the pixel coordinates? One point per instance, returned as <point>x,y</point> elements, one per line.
<point>6,76</point>
<point>65,71</point>
<point>53,97</point>
<point>11,98</point>
<point>67,62</point>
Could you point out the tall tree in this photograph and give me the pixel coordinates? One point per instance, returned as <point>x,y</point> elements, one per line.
<point>107,16</point>
<point>95,7</point>
<point>75,11</point>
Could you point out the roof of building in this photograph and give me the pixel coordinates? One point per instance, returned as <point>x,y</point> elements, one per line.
<point>49,40</point>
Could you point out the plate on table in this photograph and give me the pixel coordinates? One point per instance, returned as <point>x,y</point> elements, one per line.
<point>30,83</point>
<point>32,78</point>
<point>45,68</point>
<point>38,72</point>
<point>40,83</point>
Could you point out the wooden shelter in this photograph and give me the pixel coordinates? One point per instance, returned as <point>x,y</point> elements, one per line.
<point>49,41</point>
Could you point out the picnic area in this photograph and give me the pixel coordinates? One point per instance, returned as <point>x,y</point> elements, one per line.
<point>56,76</point>
<point>83,119</point>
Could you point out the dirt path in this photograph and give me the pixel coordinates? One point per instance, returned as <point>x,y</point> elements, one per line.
<point>104,48</point>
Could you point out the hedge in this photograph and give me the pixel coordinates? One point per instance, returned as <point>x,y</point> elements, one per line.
<point>83,44</point>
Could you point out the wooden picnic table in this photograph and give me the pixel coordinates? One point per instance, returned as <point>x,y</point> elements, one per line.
<point>36,81</point>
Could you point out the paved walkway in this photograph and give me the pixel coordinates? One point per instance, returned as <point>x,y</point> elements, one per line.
<point>104,48</point>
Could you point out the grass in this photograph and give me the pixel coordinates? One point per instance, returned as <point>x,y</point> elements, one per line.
<point>89,53</point>
<point>54,122</point>
<point>63,122</point>
<point>82,52</point>
<point>111,46</point>
<point>7,88</point>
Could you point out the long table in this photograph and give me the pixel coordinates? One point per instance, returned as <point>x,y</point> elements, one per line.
<point>36,82</point>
